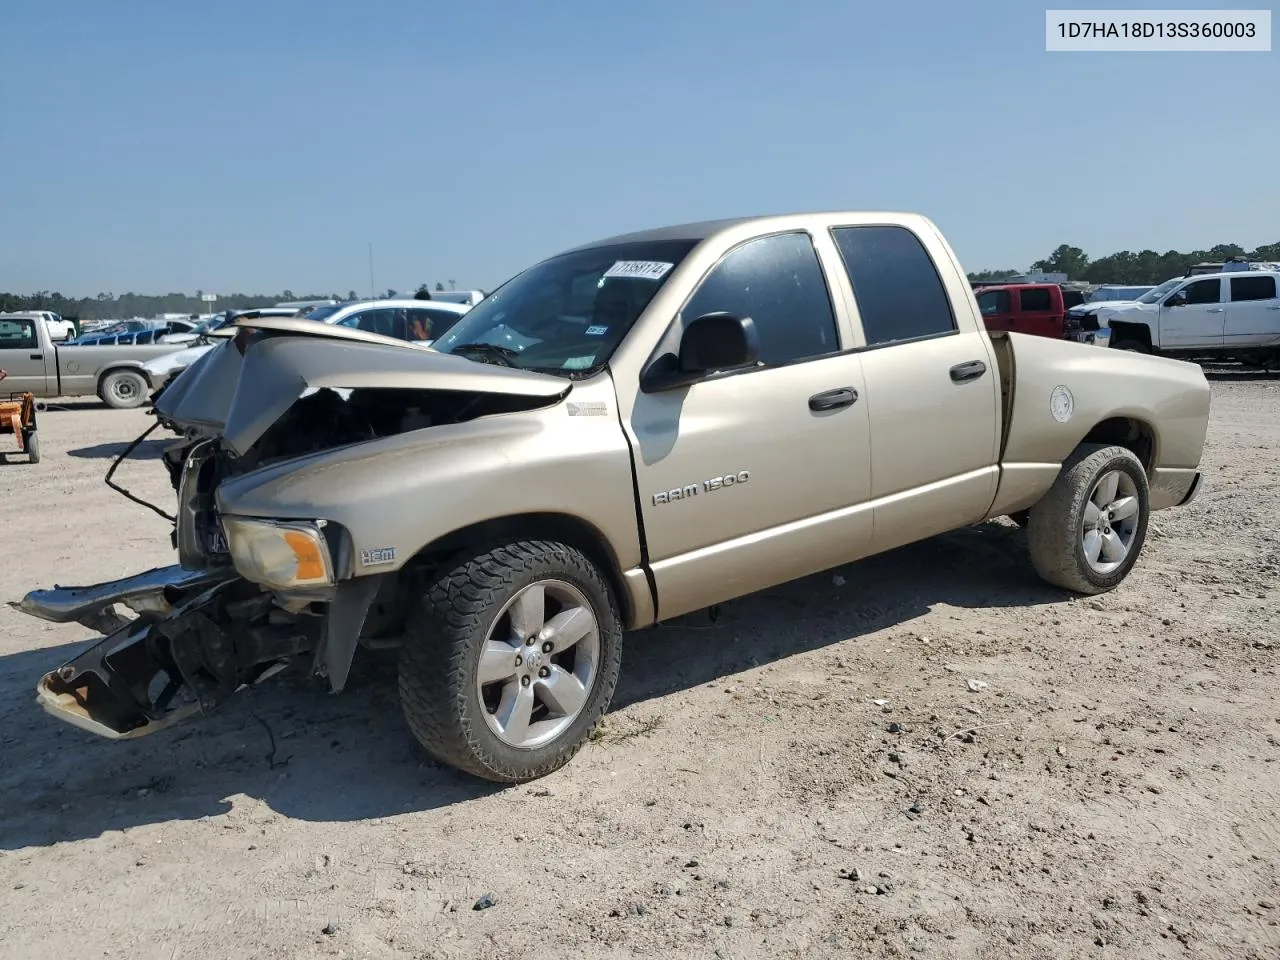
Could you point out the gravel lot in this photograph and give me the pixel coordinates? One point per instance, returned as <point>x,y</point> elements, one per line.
<point>1109,789</point>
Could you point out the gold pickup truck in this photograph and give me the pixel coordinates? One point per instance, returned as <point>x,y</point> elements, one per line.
<point>625,432</point>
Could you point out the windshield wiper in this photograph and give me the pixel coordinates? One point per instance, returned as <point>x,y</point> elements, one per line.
<point>504,354</point>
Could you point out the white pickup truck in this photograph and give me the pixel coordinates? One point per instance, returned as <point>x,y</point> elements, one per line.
<point>58,328</point>
<point>1224,316</point>
<point>37,364</point>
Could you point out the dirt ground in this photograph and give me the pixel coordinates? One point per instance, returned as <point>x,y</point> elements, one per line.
<point>1109,788</point>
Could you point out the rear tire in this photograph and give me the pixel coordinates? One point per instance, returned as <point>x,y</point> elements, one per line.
<point>1133,346</point>
<point>123,389</point>
<point>31,443</point>
<point>1086,533</point>
<point>478,694</point>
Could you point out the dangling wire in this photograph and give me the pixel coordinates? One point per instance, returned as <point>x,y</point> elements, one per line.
<point>125,493</point>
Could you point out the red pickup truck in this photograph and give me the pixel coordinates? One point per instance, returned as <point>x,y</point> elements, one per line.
<point>1039,309</point>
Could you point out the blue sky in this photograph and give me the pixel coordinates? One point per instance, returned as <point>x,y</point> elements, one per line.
<point>258,146</point>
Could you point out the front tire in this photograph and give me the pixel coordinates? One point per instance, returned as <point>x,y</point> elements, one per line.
<point>31,443</point>
<point>1133,346</point>
<point>1086,533</point>
<point>510,660</point>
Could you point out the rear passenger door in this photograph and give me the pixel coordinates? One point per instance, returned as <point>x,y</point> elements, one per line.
<point>1253,313</point>
<point>933,390</point>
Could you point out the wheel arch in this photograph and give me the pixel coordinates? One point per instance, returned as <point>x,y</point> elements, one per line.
<point>561,527</point>
<point>124,366</point>
<point>1122,330</point>
<point>1132,433</point>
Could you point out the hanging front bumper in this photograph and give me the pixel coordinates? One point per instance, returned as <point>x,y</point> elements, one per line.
<point>151,593</point>
<point>132,682</point>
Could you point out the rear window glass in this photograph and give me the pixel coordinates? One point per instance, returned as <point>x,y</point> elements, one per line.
<point>900,295</point>
<point>1036,300</point>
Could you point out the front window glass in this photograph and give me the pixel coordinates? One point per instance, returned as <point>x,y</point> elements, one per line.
<point>568,314</point>
<point>1204,291</point>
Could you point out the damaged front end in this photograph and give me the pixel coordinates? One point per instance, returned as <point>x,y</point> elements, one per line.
<point>178,656</point>
<point>251,595</point>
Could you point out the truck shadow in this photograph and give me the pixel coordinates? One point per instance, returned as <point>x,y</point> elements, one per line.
<point>146,450</point>
<point>1241,376</point>
<point>1237,373</point>
<point>309,755</point>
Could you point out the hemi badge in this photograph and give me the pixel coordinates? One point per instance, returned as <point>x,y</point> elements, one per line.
<point>379,555</point>
<point>593,408</point>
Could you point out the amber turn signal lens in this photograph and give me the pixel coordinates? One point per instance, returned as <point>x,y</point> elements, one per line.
<point>311,565</point>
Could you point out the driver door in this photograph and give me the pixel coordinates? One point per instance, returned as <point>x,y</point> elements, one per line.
<point>1199,321</point>
<point>21,357</point>
<point>757,476</point>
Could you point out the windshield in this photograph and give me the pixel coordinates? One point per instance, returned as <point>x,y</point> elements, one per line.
<point>319,313</point>
<point>204,326</point>
<point>1156,293</point>
<point>568,314</point>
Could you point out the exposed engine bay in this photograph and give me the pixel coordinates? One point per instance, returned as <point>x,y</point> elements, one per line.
<point>326,419</point>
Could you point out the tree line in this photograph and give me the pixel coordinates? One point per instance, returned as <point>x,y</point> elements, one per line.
<point>1130,268</point>
<point>1125,267</point>
<point>110,306</point>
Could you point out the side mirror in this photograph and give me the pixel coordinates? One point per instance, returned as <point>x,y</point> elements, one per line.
<point>709,343</point>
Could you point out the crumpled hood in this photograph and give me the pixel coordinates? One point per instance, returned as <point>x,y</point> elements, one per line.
<point>240,397</point>
<point>1122,308</point>
<point>1094,306</point>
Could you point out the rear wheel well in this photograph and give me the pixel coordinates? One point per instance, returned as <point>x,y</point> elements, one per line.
<point>399,597</point>
<point>1127,432</point>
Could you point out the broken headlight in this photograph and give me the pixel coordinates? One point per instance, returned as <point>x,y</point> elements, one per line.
<point>278,553</point>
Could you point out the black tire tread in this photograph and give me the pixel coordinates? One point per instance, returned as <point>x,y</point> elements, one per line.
<point>1136,346</point>
<point>434,672</point>
<point>1055,519</point>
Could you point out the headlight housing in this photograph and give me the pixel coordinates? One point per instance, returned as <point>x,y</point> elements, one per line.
<point>286,554</point>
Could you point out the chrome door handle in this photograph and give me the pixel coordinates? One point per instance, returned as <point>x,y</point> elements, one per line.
<point>1214,310</point>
